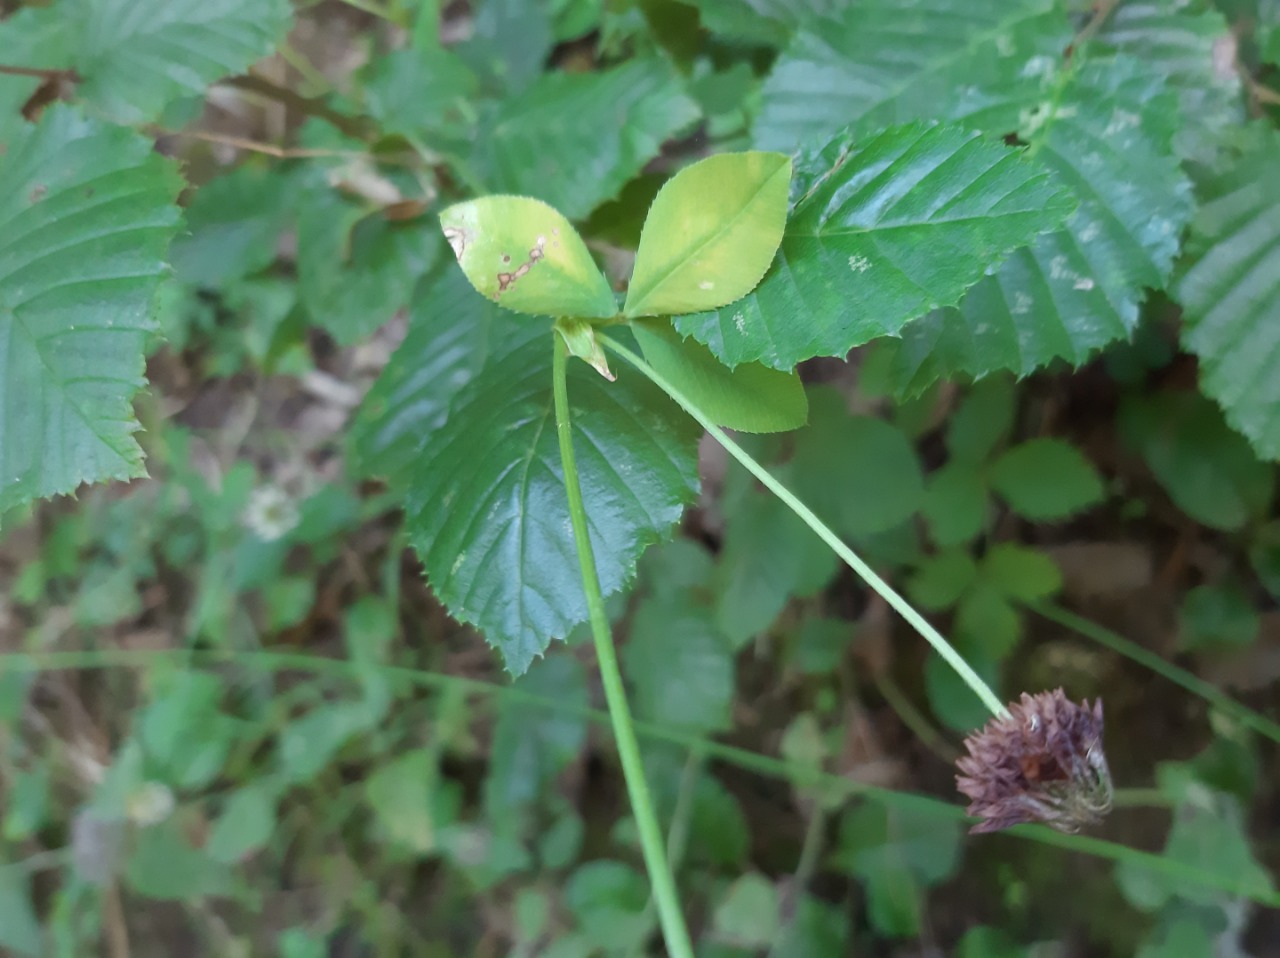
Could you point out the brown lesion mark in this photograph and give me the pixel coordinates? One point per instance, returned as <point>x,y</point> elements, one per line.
<point>507,280</point>
<point>38,192</point>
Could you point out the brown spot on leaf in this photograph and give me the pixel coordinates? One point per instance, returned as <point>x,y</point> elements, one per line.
<point>37,193</point>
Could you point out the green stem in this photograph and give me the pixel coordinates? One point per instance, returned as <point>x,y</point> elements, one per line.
<point>1145,657</point>
<point>651,841</point>
<point>850,558</point>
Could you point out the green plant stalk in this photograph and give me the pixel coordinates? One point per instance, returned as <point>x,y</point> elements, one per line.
<point>652,843</point>
<point>806,515</point>
<point>1145,657</point>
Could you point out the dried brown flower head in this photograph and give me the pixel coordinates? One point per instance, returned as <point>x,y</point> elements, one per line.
<point>1040,762</point>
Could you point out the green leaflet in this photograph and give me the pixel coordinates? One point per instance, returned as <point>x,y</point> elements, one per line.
<point>710,234</point>
<point>524,255</point>
<point>750,397</point>
<point>86,214</point>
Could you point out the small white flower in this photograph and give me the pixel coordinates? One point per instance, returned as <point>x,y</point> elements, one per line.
<point>150,804</point>
<point>271,514</point>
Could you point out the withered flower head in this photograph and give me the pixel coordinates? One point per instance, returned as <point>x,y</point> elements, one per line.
<point>1041,762</point>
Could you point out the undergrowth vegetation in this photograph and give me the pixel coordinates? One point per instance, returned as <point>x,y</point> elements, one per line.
<point>563,478</point>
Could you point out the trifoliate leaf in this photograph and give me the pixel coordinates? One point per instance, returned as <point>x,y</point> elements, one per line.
<point>86,214</point>
<point>710,234</point>
<point>1230,291</point>
<point>885,226</point>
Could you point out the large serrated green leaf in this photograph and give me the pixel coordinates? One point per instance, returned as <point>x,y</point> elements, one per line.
<point>1107,132</point>
<point>886,226</point>
<point>889,61</point>
<point>30,37</point>
<point>1230,291</point>
<point>451,332</point>
<point>356,267</point>
<point>574,140</point>
<point>1193,47</point>
<point>134,57</point>
<point>86,213</point>
<point>487,509</point>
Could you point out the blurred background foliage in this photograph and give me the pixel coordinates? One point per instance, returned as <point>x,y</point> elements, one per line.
<point>234,721</point>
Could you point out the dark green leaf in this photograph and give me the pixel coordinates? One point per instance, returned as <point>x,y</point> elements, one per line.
<point>233,226</point>
<point>138,56</point>
<point>982,420</point>
<point>86,213</point>
<point>1107,132</point>
<point>941,579</point>
<point>955,504</point>
<point>860,473</point>
<point>1217,617</point>
<point>748,914</point>
<point>166,867</point>
<point>885,227</point>
<point>451,333</point>
<point>750,397</point>
<point>680,666</point>
<point>487,510</point>
<point>890,61</point>
<point>769,557</point>
<point>532,746</point>
<point>1192,45</point>
<point>509,43</point>
<point>1209,471</point>
<point>609,901</point>
<point>356,268</point>
<point>1045,479</point>
<point>1020,573</point>
<point>246,824</point>
<point>1231,291</point>
<point>573,140</point>
<point>951,700</point>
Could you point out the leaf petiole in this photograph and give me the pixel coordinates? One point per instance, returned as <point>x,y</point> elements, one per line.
<point>806,515</point>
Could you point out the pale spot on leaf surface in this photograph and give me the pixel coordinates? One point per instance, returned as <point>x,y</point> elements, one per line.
<point>859,264</point>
